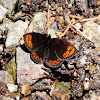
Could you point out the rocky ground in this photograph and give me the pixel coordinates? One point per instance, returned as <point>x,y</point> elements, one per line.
<point>76,21</point>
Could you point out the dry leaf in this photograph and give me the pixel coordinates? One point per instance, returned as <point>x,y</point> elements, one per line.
<point>26,89</point>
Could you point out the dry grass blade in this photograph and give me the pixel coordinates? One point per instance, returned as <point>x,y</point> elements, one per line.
<point>88,19</point>
<point>67,27</point>
<point>80,33</point>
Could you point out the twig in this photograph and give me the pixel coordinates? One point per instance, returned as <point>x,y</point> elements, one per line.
<point>54,84</point>
<point>49,22</point>
<point>80,33</point>
<point>77,17</point>
<point>48,17</point>
<point>95,18</point>
<point>67,27</point>
<point>40,77</point>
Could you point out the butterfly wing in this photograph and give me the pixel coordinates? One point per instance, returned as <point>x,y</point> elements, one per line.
<point>64,50</point>
<point>52,59</point>
<point>35,43</point>
<point>59,51</point>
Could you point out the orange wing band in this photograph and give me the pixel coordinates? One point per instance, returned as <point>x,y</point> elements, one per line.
<point>55,62</point>
<point>29,40</point>
<point>37,58</point>
<point>69,52</point>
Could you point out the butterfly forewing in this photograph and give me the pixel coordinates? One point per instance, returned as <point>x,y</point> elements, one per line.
<point>63,49</point>
<point>36,43</point>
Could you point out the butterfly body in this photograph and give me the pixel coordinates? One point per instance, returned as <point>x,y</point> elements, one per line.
<point>51,51</point>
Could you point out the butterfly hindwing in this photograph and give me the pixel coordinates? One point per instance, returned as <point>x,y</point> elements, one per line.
<point>35,43</point>
<point>52,59</point>
<point>38,56</point>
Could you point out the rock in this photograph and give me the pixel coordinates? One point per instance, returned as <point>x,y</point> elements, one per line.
<point>9,4</point>
<point>86,85</point>
<point>59,9</point>
<point>6,25</point>
<point>61,91</point>
<point>83,60</point>
<point>38,22</point>
<point>26,68</point>
<point>11,68</point>
<point>5,98</point>
<point>52,33</point>
<point>40,95</point>
<point>70,66</point>
<point>12,87</point>
<point>54,26</point>
<point>78,26</point>
<point>15,33</point>
<point>3,12</point>
<point>1,47</point>
<point>94,97</point>
<point>5,77</point>
<point>92,31</point>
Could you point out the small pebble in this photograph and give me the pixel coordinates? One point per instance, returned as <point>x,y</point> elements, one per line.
<point>1,47</point>
<point>52,32</point>
<point>59,9</point>
<point>78,25</point>
<point>83,60</point>
<point>74,74</point>
<point>70,66</point>
<point>12,87</point>
<point>86,85</point>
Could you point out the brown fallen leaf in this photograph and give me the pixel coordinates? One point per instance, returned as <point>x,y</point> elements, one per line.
<point>26,89</point>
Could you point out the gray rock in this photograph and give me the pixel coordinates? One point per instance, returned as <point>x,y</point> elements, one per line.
<point>92,31</point>
<point>38,22</point>
<point>5,98</point>
<point>5,25</point>
<point>5,77</point>
<point>15,33</point>
<point>26,68</point>
<point>9,4</point>
<point>3,12</point>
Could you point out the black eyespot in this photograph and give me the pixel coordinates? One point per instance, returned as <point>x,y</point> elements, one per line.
<point>70,50</point>
<point>28,38</point>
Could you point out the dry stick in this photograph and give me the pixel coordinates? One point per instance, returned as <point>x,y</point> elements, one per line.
<point>79,32</point>
<point>90,19</point>
<point>54,84</point>
<point>77,17</point>
<point>67,27</point>
<point>48,17</point>
<point>49,22</point>
<point>44,76</point>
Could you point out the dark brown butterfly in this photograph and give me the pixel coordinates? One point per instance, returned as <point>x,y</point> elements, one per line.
<point>51,51</point>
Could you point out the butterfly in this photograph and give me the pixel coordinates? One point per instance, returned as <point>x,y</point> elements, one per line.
<point>53,52</point>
